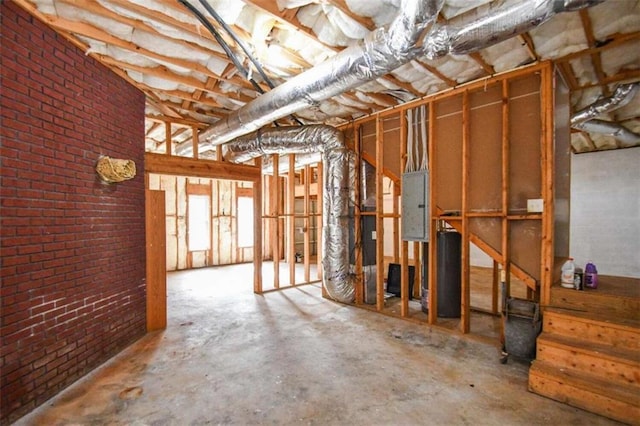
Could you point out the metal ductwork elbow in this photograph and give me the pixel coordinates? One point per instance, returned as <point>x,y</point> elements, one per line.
<point>329,141</point>
<point>586,120</point>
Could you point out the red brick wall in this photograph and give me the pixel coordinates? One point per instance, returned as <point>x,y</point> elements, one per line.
<point>72,249</point>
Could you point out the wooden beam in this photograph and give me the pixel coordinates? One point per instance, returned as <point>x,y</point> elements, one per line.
<point>357,220</point>
<point>274,211</point>
<point>290,211</point>
<point>465,311</point>
<point>433,214</point>
<point>182,166</point>
<point>595,57</point>
<point>156,265</point>
<point>379,219</point>
<point>167,138</point>
<point>319,218</point>
<point>257,229</point>
<point>307,224</point>
<point>505,188</point>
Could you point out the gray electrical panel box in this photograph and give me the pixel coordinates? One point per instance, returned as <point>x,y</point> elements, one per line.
<point>415,206</point>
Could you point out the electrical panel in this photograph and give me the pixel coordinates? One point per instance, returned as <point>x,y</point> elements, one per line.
<point>415,206</point>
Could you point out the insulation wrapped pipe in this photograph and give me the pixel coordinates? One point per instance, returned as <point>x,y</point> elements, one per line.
<point>412,34</point>
<point>338,282</point>
<point>382,51</point>
<point>625,136</point>
<point>621,97</point>
<point>585,119</point>
<point>488,25</point>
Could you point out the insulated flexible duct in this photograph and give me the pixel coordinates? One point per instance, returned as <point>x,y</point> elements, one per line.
<point>382,51</point>
<point>409,36</point>
<point>488,25</point>
<point>337,280</point>
<point>585,119</point>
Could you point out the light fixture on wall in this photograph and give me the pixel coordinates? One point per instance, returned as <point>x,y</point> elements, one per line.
<point>114,170</point>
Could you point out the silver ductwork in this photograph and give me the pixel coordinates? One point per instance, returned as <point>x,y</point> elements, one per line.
<point>585,119</point>
<point>300,161</point>
<point>491,24</point>
<point>625,136</point>
<point>410,35</point>
<point>382,51</point>
<point>338,282</point>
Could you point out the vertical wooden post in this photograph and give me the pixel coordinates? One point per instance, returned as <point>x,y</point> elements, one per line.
<point>379,216</point>
<point>506,256</point>
<point>404,252</point>
<point>257,232</point>
<point>275,219</point>
<point>396,222</point>
<point>465,319</point>
<point>156,252</point>
<point>495,283</point>
<point>195,141</point>
<point>357,219</point>
<point>433,246</point>
<point>167,137</point>
<point>548,178</point>
<point>319,212</point>
<point>291,233</point>
<point>307,224</point>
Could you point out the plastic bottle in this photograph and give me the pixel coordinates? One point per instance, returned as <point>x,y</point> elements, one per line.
<point>590,275</point>
<point>566,276</point>
<point>578,279</point>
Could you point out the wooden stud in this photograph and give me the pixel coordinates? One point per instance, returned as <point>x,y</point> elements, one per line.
<point>274,198</point>
<point>506,146</point>
<point>404,245</point>
<point>291,225</point>
<point>379,218</point>
<point>396,222</point>
<point>195,141</point>
<point>357,220</point>
<point>167,138</point>
<point>319,216</point>
<point>156,252</point>
<point>547,185</point>
<point>494,287</point>
<point>465,314</point>
<point>433,214</point>
<point>257,231</point>
<point>307,224</point>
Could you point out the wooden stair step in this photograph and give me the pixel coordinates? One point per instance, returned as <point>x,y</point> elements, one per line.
<point>586,391</point>
<point>619,365</point>
<point>597,328</point>
<point>601,301</point>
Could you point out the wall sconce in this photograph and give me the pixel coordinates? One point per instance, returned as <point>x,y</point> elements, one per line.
<point>114,170</point>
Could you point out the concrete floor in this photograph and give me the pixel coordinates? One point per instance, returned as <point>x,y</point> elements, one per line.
<point>229,356</point>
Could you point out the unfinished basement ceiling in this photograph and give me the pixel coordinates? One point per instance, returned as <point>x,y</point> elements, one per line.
<point>161,47</point>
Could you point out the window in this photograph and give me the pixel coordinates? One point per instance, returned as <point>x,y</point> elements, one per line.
<point>245,222</point>
<point>199,223</point>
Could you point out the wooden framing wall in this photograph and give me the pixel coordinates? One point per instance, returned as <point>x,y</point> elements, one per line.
<point>202,173</point>
<point>491,149</point>
<point>292,220</point>
<point>223,236</point>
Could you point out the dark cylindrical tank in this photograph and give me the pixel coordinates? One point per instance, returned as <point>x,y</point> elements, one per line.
<point>449,274</point>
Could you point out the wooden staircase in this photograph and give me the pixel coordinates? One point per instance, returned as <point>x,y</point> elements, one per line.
<point>588,354</point>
